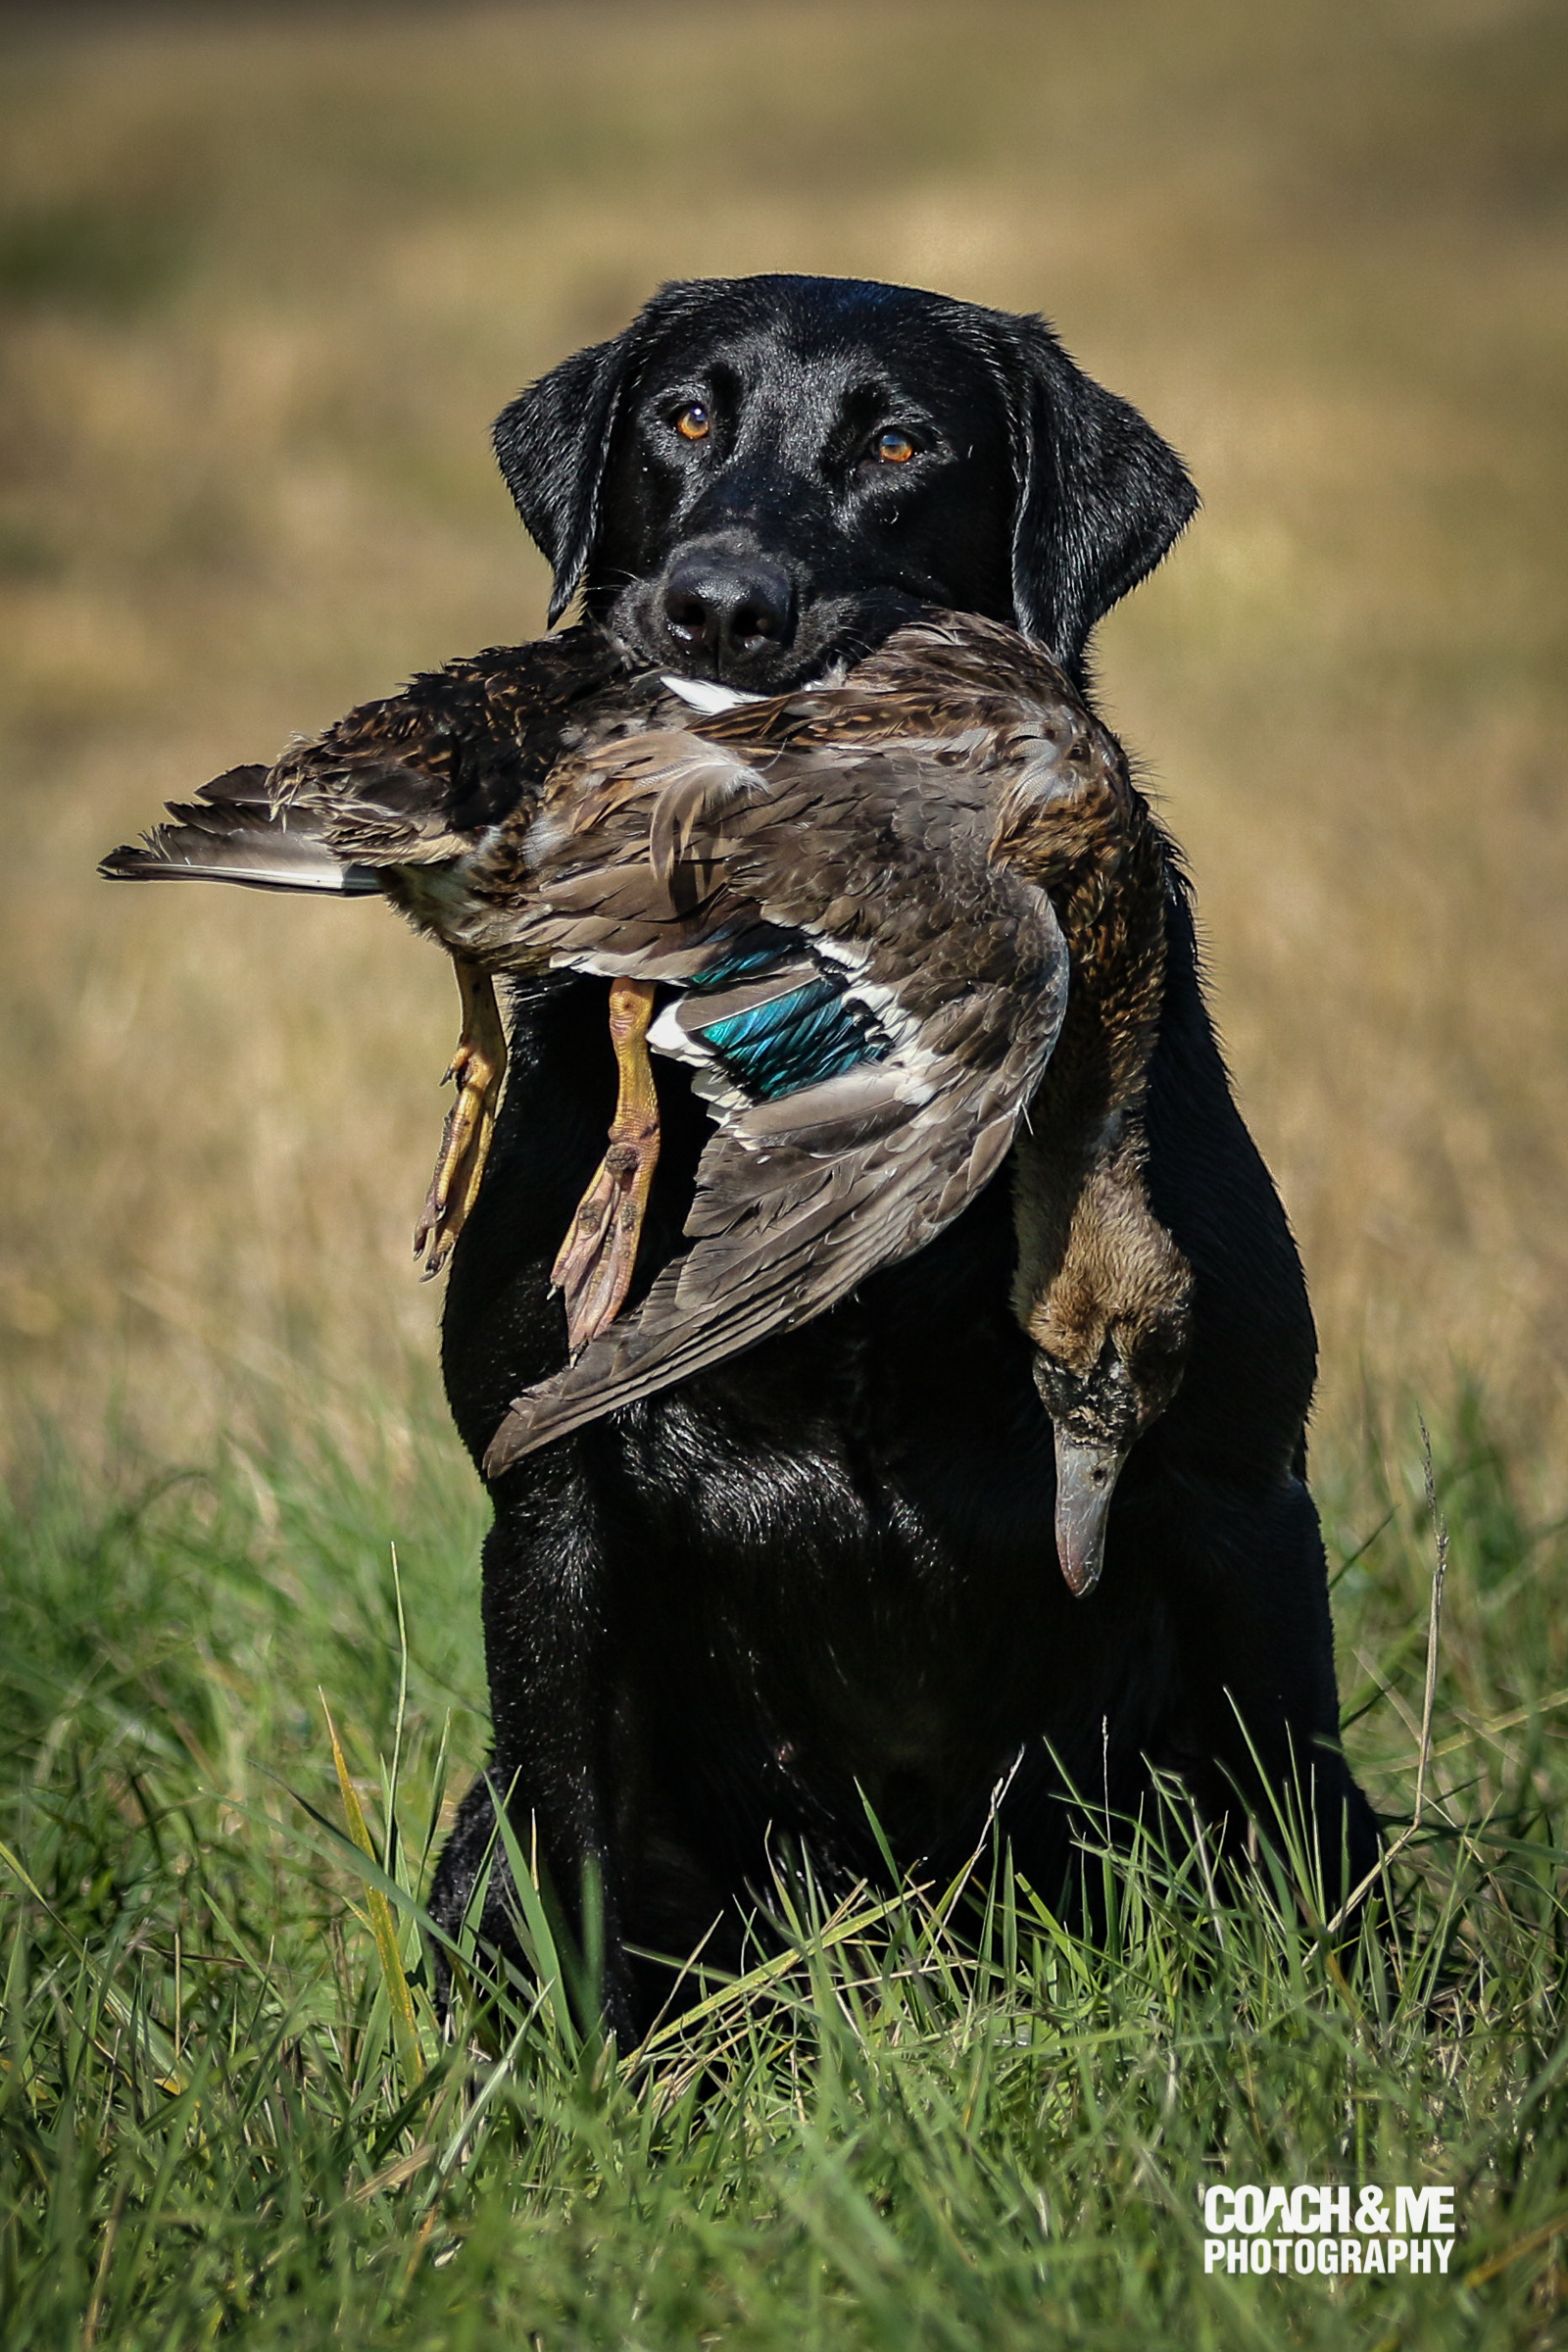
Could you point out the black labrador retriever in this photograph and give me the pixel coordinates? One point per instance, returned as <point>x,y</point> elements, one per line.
<point>822,1577</point>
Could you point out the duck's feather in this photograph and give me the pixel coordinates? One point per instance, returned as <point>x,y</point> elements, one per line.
<point>850,1178</point>
<point>867,1021</point>
<point>413,779</point>
<point>235,834</point>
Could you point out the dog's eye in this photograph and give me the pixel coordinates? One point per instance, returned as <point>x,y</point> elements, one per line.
<point>693,423</point>
<point>893,448</point>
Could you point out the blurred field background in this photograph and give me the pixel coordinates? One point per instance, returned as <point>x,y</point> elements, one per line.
<point>267,278</point>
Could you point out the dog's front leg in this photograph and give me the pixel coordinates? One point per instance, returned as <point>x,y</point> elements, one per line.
<point>1256,1656</point>
<point>544,1622</point>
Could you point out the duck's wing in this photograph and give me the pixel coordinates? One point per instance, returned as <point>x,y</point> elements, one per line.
<point>867,1004</point>
<point>410,780</point>
<point>465,751</point>
<point>236,831</point>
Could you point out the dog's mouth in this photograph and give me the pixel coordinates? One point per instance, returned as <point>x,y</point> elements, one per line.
<point>746,623</point>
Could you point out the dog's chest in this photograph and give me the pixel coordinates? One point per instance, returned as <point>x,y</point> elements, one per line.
<point>849,1543</point>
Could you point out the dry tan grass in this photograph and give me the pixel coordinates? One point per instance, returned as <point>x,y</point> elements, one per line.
<point>263,285</point>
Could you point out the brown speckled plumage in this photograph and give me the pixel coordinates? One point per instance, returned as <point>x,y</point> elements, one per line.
<point>857,902</point>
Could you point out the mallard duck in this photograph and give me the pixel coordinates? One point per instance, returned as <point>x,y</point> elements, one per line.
<point>849,909</point>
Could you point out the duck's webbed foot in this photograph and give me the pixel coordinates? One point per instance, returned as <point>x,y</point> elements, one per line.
<point>594,1268</point>
<point>477,1068</point>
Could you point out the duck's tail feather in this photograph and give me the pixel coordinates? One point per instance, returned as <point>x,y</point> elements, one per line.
<point>233,833</point>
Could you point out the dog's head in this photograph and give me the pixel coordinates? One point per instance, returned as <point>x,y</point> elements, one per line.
<point>763,474</point>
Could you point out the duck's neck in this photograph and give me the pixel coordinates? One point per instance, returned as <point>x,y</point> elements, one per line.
<point>1082,1152</point>
<point>1080,1202</point>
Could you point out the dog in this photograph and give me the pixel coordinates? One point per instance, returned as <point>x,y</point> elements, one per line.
<point>817,1583</point>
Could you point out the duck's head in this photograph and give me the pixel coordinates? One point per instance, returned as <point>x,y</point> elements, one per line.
<point>1111,1335</point>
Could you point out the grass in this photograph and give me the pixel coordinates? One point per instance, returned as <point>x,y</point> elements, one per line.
<point>226,2110</point>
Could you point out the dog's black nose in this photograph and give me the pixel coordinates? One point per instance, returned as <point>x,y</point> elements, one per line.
<point>727,608</point>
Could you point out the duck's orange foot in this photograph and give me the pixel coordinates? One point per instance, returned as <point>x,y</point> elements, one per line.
<point>479,1067</point>
<point>594,1268</point>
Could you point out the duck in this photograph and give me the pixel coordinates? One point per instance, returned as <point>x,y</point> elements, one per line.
<point>887,921</point>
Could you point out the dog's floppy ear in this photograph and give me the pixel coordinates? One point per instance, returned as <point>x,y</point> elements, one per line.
<point>1101,496</point>
<point>552,442</point>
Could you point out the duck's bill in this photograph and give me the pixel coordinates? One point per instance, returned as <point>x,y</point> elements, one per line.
<point>1086,1480</point>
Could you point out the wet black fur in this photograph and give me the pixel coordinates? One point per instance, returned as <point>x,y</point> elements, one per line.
<point>827,1568</point>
